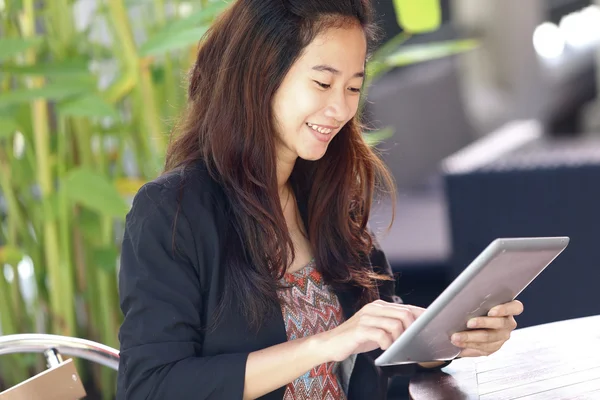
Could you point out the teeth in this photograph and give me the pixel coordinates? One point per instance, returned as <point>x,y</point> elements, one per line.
<point>320,129</point>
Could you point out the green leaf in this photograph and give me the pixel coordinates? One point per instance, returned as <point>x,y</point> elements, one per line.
<point>106,258</point>
<point>10,47</point>
<point>88,106</point>
<point>10,255</point>
<point>408,55</point>
<point>418,16</point>
<point>94,191</point>
<point>53,91</point>
<point>130,3</point>
<point>166,41</point>
<point>66,68</point>
<point>89,223</point>
<point>8,127</point>
<point>376,65</point>
<point>204,16</point>
<point>375,137</point>
<point>50,208</point>
<point>390,46</point>
<point>184,32</point>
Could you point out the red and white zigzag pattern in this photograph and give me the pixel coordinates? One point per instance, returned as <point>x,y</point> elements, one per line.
<point>310,307</point>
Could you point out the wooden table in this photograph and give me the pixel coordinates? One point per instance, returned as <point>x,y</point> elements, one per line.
<point>557,361</point>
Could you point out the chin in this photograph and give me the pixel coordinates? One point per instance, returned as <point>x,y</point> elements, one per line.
<point>312,154</point>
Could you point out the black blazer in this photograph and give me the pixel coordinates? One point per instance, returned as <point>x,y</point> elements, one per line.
<point>170,277</point>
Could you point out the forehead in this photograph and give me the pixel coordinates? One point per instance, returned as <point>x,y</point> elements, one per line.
<point>342,48</point>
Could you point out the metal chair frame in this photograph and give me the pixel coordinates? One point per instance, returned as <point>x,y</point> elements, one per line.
<point>60,380</point>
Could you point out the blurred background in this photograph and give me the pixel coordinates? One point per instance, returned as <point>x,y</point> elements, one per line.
<point>486,112</point>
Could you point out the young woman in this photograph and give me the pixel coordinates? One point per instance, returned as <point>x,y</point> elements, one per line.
<point>247,268</point>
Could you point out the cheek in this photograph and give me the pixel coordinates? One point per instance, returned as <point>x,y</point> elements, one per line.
<point>353,104</point>
<point>303,104</point>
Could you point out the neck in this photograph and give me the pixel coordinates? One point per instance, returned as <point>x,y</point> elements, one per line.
<point>285,165</point>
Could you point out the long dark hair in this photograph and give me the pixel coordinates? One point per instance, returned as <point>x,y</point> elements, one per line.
<point>229,124</point>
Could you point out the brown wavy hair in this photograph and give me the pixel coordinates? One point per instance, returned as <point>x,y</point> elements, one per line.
<point>230,126</point>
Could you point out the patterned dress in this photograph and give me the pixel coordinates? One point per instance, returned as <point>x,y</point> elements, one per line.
<point>310,307</point>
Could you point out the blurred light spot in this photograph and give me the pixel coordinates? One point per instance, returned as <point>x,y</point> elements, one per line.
<point>95,144</point>
<point>31,228</point>
<point>2,5</point>
<point>26,271</point>
<point>572,29</point>
<point>111,143</point>
<point>18,144</point>
<point>25,268</point>
<point>591,18</point>
<point>581,28</point>
<point>9,274</point>
<point>548,40</point>
<point>184,9</point>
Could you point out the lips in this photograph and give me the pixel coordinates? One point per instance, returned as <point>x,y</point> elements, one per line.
<point>320,136</point>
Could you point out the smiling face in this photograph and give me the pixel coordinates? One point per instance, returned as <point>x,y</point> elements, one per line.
<point>320,93</point>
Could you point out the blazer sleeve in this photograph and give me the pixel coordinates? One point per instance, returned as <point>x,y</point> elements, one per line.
<point>387,292</point>
<point>160,297</point>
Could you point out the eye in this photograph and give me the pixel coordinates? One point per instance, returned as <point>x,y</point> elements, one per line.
<point>323,85</point>
<point>354,90</point>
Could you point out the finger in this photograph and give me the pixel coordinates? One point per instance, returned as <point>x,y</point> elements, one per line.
<point>480,336</point>
<point>389,310</point>
<point>492,323</point>
<point>395,327</point>
<point>416,311</point>
<point>472,353</point>
<point>379,336</point>
<point>487,348</point>
<point>515,307</point>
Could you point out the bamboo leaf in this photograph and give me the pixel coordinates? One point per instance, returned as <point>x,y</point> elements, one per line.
<point>89,222</point>
<point>88,106</point>
<point>183,32</point>
<point>8,127</point>
<point>54,91</point>
<point>10,47</point>
<point>94,191</point>
<point>67,68</point>
<point>196,19</point>
<point>50,208</point>
<point>106,258</point>
<point>130,3</point>
<point>418,16</point>
<point>375,137</point>
<point>408,55</point>
<point>129,186</point>
<point>166,41</point>
<point>10,255</point>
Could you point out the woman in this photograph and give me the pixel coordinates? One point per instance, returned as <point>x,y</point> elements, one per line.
<point>247,269</point>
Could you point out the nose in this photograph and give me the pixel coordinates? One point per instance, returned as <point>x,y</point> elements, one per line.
<point>339,107</point>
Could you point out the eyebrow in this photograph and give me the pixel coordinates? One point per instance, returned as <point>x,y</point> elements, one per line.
<point>328,68</point>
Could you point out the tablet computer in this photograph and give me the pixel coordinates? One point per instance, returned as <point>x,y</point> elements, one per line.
<point>495,277</point>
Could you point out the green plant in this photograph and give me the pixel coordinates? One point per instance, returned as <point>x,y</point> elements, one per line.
<point>67,130</point>
<point>83,124</point>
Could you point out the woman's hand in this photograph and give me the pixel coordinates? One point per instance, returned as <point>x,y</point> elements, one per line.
<point>488,334</point>
<point>376,325</point>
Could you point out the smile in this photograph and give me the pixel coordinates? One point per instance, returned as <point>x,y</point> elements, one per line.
<point>319,129</point>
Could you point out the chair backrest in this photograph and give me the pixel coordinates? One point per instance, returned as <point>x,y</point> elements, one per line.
<point>61,380</point>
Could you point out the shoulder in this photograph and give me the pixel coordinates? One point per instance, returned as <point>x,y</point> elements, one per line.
<point>185,209</point>
<point>188,192</point>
